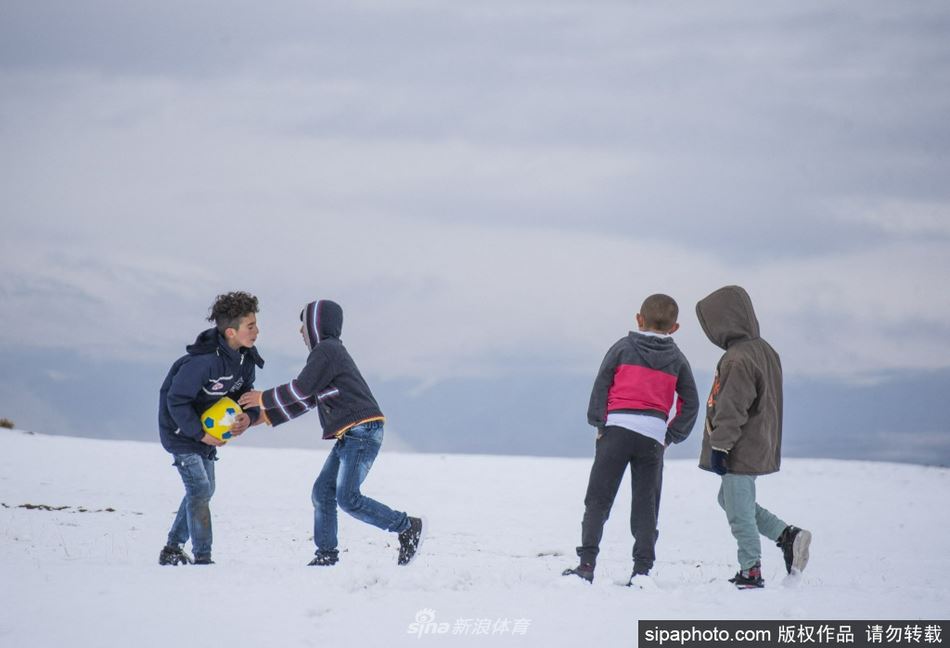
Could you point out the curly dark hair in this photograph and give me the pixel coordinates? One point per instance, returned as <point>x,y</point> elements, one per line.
<point>228,309</point>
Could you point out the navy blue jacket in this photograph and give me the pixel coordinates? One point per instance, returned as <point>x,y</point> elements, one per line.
<point>330,383</point>
<point>209,371</point>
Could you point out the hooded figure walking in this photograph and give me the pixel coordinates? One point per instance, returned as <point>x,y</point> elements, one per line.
<point>743,432</point>
<point>332,384</point>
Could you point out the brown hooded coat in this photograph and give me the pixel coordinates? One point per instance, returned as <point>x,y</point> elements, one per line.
<point>744,409</point>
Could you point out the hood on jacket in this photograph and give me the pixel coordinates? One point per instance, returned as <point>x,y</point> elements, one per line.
<point>209,341</point>
<point>322,319</point>
<point>206,342</point>
<point>657,352</point>
<point>726,316</point>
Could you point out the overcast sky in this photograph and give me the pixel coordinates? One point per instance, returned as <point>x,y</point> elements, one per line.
<point>487,188</point>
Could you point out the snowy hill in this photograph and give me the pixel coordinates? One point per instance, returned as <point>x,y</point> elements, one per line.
<point>501,530</point>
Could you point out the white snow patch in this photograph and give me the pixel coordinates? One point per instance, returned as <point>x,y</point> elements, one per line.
<point>501,530</point>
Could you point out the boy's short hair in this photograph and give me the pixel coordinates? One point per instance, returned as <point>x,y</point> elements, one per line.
<point>659,312</point>
<point>228,309</point>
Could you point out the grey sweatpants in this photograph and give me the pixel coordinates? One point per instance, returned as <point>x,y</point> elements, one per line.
<point>746,518</point>
<point>616,450</point>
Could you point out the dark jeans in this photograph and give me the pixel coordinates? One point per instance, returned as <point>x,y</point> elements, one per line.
<point>617,449</point>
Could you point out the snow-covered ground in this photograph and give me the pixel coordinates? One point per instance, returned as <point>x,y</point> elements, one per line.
<point>501,531</point>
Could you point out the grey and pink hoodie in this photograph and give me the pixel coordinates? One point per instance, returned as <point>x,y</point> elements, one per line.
<point>330,382</point>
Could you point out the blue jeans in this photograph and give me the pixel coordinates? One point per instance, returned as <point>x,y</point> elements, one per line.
<point>194,515</point>
<point>339,482</point>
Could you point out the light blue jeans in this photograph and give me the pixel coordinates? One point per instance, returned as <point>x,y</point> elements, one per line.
<point>339,482</point>
<point>746,518</point>
<point>194,515</point>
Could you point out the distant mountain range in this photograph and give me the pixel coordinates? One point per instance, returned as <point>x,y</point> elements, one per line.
<point>528,412</point>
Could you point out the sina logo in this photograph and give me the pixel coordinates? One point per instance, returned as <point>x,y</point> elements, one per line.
<point>425,624</point>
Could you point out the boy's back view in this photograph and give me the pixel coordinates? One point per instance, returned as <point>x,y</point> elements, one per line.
<point>629,405</point>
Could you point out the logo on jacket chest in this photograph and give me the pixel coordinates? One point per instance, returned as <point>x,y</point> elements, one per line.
<point>222,385</point>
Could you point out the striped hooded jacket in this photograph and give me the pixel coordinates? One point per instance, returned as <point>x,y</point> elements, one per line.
<point>640,374</point>
<point>330,383</point>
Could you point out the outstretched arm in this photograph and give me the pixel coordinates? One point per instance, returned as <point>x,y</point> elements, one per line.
<point>295,398</point>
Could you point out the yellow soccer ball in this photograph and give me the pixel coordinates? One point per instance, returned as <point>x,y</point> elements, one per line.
<point>218,419</point>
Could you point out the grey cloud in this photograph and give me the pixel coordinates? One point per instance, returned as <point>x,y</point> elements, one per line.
<point>734,142</point>
<point>489,188</point>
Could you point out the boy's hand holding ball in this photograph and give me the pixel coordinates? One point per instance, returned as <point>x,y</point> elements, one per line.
<point>241,422</point>
<point>207,439</point>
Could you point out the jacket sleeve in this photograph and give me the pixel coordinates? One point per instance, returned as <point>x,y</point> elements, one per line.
<point>730,409</point>
<point>597,410</point>
<point>185,386</point>
<point>687,406</point>
<point>299,396</point>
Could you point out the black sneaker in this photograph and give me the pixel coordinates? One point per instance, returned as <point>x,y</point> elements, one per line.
<point>794,543</point>
<point>173,555</point>
<point>750,578</point>
<point>409,541</point>
<point>583,570</point>
<point>203,560</point>
<point>324,559</point>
